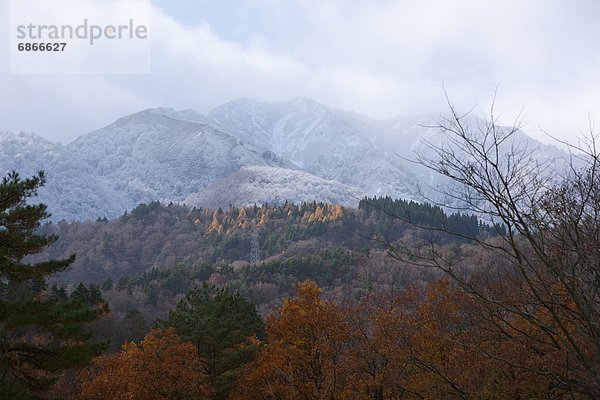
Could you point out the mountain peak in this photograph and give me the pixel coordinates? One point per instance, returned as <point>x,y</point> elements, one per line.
<point>181,115</point>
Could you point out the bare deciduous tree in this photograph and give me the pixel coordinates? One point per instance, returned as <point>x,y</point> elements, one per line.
<point>550,253</point>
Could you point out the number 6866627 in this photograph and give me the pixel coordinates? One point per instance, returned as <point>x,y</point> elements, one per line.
<point>41,46</point>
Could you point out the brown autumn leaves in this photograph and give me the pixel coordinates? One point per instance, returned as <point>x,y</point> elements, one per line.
<point>434,342</point>
<point>426,342</point>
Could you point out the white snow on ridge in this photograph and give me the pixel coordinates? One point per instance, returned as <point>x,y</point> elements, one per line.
<point>273,185</point>
<point>297,151</point>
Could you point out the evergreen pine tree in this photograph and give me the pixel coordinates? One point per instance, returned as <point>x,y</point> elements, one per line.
<point>41,333</point>
<point>223,326</point>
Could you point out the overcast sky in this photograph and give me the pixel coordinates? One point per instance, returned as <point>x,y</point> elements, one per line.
<point>378,58</point>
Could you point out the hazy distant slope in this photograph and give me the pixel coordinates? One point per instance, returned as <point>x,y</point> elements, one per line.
<point>353,149</point>
<point>325,142</point>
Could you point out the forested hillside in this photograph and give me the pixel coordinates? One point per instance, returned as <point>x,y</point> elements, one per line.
<point>161,236</point>
<point>144,261</point>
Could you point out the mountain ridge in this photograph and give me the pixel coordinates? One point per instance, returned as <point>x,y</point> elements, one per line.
<point>173,155</point>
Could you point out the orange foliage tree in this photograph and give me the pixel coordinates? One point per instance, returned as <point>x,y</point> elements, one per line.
<point>440,342</point>
<point>162,366</point>
<point>304,355</point>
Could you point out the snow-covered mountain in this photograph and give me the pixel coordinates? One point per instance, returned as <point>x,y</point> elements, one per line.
<point>273,185</point>
<point>73,189</point>
<point>152,156</point>
<point>352,149</point>
<point>328,143</point>
<point>243,152</point>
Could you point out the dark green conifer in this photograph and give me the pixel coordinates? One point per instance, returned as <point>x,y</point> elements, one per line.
<point>219,322</point>
<point>41,332</point>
